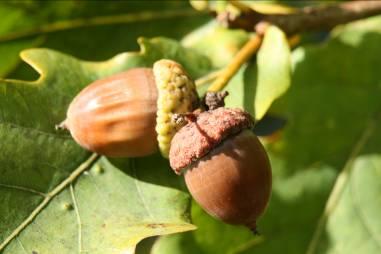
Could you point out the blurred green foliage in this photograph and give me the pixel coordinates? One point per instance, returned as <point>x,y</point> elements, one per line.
<point>90,42</point>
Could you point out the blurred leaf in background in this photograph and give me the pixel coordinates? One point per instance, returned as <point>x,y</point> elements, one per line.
<point>226,42</point>
<point>91,30</point>
<point>274,70</point>
<point>332,111</point>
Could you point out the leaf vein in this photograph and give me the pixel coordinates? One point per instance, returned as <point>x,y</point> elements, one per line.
<point>22,188</point>
<point>22,246</point>
<point>362,217</point>
<point>78,218</point>
<point>136,182</point>
<point>100,193</point>
<point>76,173</point>
<point>13,125</point>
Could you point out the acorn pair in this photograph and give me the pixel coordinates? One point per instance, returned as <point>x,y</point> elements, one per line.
<point>132,113</point>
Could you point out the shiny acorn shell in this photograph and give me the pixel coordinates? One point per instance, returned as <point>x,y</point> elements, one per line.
<point>116,116</point>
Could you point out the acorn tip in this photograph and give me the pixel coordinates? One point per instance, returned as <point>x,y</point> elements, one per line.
<point>62,126</point>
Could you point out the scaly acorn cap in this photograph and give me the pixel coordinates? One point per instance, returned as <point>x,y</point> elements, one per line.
<point>200,136</point>
<point>177,94</point>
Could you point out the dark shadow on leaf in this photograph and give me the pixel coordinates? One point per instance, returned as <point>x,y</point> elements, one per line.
<point>269,124</point>
<point>152,169</point>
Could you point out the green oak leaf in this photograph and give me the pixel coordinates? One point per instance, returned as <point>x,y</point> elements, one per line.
<point>355,215</point>
<point>218,43</point>
<point>354,33</point>
<point>242,88</point>
<point>175,244</point>
<point>333,113</point>
<point>274,70</point>
<point>58,198</point>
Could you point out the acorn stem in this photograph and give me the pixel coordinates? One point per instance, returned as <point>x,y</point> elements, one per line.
<point>213,100</point>
<point>62,126</point>
<point>244,54</point>
<point>253,227</point>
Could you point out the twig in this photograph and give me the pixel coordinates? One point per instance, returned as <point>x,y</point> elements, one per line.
<point>306,19</point>
<point>244,54</point>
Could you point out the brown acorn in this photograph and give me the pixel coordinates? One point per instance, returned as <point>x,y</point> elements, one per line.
<point>129,114</point>
<point>116,115</point>
<point>226,168</point>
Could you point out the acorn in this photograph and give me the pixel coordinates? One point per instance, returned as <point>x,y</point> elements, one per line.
<point>226,168</point>
<point>129,114</point>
